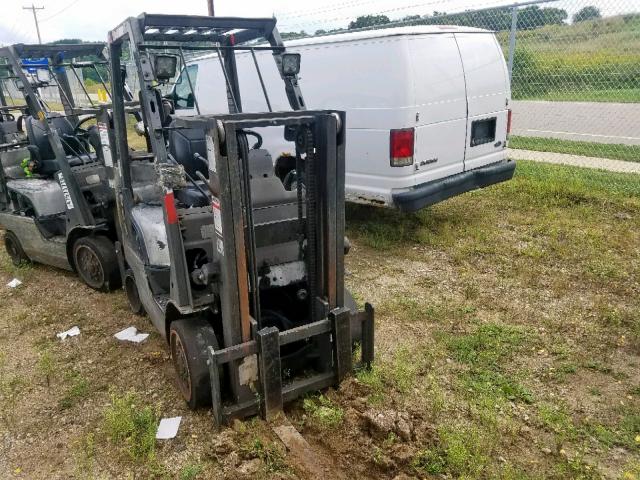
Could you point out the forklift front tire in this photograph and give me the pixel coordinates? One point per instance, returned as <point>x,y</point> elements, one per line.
<point>96,263</point>
<point>189,339</point>
<point>14,249</point>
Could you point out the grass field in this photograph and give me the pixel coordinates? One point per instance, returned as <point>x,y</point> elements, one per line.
<point>596,60</point>
<point>630,153</point>
<point>508,333</point>
<point>564,94</point>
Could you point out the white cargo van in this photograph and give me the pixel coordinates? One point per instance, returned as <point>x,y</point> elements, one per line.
<point>427,107</point>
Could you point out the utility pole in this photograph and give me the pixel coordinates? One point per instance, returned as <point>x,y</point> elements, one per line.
<point>210,5</point>
<point>33,8</point>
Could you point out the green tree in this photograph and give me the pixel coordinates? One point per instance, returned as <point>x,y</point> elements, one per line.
<point>369,21</point>
<point>535,17</point>
<point>63,41</point>
<point>293,35</point>
<point>587,13</point>
<point>555,16</point>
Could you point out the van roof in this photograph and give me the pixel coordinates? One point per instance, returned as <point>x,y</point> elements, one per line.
<point>384,32</point>
<point>347,36</point>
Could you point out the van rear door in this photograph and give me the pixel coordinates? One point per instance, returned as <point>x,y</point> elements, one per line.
<point>488,97</point>
<point>440,106</point>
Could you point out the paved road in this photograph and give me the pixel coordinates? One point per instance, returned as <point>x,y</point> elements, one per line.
<point>576,161</point>
<point>585,121</point>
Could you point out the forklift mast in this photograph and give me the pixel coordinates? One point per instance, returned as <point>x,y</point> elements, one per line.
<point>331,327</point>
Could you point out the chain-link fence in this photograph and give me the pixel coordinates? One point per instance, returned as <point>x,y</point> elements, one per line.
<point>575,73</point>
<point>575,67</point>
<point>576,87</point>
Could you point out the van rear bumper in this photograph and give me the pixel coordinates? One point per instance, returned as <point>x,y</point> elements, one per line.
<point>436,191</point>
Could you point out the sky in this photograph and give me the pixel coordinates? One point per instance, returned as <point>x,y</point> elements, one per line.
<point>92,19</point>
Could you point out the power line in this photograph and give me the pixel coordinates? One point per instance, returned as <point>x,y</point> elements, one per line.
<point>60,11</point>
<point>325,9</point>
<point>33,8</point>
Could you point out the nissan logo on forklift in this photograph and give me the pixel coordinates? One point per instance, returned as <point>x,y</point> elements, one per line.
<point>65,191</point>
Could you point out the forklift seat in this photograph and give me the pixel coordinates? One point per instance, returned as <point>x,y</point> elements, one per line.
<point>45,195</point>
<point>267,190</point>
<point>73,146</point>
<point>184,144</point>
<point>9,132</point>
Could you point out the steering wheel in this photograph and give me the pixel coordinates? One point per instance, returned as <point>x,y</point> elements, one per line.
<point>257,136</point>
<point>79,130</point>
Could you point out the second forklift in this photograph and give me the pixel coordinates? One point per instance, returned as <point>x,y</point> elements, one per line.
<point>55,201</point>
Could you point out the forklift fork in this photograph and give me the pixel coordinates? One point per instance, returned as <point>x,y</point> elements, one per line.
<point>271,392</point>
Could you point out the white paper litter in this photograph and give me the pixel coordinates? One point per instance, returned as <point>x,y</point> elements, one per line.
<point>14,283</point>
<point>131,335</point>
<point>168,428</point>
<point>72,332</point>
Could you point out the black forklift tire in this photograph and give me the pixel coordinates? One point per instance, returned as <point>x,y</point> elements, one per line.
<point>14,249</point>
<point>96,262</point>
<point>188,341</point>
<point>131,289</point>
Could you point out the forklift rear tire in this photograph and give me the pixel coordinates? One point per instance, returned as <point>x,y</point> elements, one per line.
<point>96,263</point>
<point>14,249</point>
<point>188,340</point>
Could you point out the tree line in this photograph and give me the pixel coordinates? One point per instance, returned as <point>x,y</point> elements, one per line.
<point>494,19</point>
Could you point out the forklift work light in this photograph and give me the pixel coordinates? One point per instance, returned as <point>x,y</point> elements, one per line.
<point>43,76</point>
<point>165,67</point>
<point>290,64</point>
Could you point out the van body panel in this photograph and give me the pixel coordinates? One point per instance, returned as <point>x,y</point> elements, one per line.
<point>438,80</point>
<point>439,150</point>
<point>488,96</point>
<point>440,105</point>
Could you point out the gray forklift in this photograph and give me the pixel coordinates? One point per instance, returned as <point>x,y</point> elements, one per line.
<point>55,201</point>
<point>242,276</point>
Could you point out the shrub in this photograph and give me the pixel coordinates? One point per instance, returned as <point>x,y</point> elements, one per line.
<point>131,426</point>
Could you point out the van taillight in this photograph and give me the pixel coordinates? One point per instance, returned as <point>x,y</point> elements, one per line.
<point>508,121</point>
<point>401,147</point>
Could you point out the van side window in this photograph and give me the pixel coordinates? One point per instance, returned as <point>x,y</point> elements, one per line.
<point>183,96</point>
<point>483,131</point>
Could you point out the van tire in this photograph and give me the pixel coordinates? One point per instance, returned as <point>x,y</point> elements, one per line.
<point>188,340</point>
<point>14,249</point>
<point>95,261</point>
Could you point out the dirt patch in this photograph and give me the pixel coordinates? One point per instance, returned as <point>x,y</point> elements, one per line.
<point>507,346</point>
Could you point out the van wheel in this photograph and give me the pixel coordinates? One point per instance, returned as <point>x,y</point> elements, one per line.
<point>188,340</point>
<point>14,249</point>
<point>96,263</point>
<point>133,295</point>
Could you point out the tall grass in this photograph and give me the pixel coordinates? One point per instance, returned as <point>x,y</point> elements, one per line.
<point>573,61</point>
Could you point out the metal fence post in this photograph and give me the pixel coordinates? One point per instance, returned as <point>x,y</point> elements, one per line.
<point>512,39</point>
